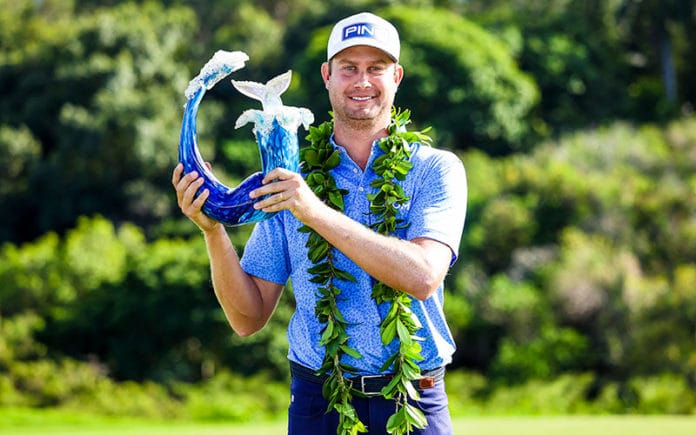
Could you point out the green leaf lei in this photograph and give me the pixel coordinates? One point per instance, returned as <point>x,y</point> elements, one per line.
<point>317,160</point>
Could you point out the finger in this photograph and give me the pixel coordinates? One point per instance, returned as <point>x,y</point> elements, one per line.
<point>276,181</point>
<point>268,189</point>
<point>200,200</point>
<point>277,174</point>
<point>189,193</point>
<point>184,181</point>
<point>176,174</point>
<point>181,187</point>
<point>277,202</point>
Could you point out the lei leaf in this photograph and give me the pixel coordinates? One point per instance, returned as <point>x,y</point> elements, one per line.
<point>316,161</point>
<point>400,324</point>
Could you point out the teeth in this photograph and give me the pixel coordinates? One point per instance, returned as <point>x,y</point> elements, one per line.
<point>361,98</point>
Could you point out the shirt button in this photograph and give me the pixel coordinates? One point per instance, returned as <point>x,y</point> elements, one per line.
<point>355,170</point>
<point>360,189</point>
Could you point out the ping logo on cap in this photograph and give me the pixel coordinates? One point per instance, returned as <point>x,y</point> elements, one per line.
<point>365,30</point>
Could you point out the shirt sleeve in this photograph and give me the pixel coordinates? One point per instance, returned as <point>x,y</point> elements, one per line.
<point>266,251</point>
<point>438,205</point>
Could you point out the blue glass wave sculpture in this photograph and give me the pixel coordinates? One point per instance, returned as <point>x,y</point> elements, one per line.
<point>275,129</point>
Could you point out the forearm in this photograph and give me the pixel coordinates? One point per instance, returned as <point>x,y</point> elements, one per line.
<point>416,267</point>
<point>404,265</point>
<point>238,294</point>
<point>247,301</point>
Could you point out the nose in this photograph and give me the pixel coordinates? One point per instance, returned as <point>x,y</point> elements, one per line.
<point>363,80</point>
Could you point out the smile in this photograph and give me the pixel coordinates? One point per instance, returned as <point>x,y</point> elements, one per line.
<point>361,98</point>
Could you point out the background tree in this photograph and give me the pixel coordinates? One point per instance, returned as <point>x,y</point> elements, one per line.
<point>97,93</point>
<point>656,33</point>
<point>573,51</point>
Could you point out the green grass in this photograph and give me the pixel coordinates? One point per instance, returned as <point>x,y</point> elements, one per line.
<point>32,422</point>
<point>577,425</point>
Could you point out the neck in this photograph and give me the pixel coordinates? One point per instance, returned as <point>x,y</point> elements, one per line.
<point>357,138</point>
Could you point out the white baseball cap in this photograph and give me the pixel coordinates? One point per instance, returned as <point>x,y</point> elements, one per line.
<point>364,29</point>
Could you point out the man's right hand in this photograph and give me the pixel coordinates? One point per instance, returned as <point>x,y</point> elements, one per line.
<point>186,186</point>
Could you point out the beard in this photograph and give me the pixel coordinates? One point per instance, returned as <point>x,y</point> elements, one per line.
<point>361,117</point>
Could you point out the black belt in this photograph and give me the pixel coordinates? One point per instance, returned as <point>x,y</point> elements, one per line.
<point>369,385</point>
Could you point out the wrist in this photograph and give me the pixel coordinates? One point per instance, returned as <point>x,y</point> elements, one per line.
<point>320,217</point>
<point>213,230</point>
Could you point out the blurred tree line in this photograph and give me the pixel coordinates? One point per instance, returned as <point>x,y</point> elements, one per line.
<point>573,118</point>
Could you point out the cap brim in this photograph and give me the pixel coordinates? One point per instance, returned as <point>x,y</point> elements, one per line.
<point>366,42</point>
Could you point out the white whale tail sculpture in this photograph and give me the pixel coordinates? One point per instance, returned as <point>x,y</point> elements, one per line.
<point>268,94</point>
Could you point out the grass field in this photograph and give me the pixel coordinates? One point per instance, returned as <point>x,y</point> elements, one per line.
<point>26,422</point>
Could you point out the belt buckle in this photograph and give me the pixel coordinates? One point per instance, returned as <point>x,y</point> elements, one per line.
<point>362,385</point>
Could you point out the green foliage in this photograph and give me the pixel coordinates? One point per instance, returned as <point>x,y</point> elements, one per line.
<point>514,226</point>
<point>546,356</point>
<point>95,243</point>
<point>596,61</point>
<point>49,274</point>
<point>572,53</point>
<point>250,27</point>
<point>572,393</point>
<point>19,155</point>
<point>238,158</point>
<point>96,91</point>
<point>666,394</point>
<point>600,229</point>
<point>31,277</point>
<point>564,395</point>
<point>28,378</point>
<point>466,392</point>
<point>17,339</point>
<point>230,397</point>
<point>19,150</point>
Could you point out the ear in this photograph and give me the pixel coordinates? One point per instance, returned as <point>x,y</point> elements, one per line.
<point>325,73</point>
<point>398,74</point>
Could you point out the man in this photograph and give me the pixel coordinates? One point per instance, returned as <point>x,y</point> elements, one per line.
<point>362,75</point>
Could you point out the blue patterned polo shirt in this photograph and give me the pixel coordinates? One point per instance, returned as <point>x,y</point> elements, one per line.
<point>276,251</point>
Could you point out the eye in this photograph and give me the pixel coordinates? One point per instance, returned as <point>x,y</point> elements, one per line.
<point>377,69</point>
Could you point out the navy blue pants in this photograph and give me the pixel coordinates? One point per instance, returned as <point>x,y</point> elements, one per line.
<point>307,413</point>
